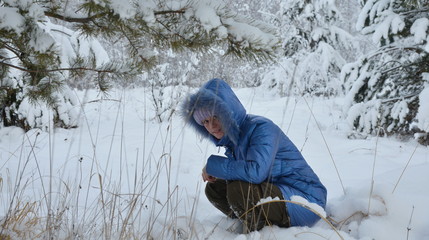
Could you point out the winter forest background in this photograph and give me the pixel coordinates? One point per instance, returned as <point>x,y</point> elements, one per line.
<point>370,54</point>
<point>374,52</point>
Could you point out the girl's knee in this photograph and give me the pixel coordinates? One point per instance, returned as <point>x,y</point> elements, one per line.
<point>238,188</point>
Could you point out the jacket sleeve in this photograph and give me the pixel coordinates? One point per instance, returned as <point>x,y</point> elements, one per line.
<point>256,159</point>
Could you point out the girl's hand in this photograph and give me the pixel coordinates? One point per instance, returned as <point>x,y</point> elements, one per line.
<point>207,177</point>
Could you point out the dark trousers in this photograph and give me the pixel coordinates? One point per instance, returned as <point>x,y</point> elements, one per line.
<point>237,199</point>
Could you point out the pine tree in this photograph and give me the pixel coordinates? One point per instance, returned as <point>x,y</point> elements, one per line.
<point>385,85</point>
<point>44,44</point>
<point>315,45</point>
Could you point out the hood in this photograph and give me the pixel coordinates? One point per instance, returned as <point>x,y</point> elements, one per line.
<point>218,96</point>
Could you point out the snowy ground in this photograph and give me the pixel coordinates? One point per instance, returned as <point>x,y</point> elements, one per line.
<point>123,175</point>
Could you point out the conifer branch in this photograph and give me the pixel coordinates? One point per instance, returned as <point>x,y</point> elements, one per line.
<point>57,69</point>
<point>102,14</point>
<point>180,11</point>
<point>73,19</point>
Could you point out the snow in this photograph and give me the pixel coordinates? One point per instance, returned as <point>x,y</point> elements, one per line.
<point>15,20</point>
<point>50,36</point>
<point>121,173</point>
<point>119,147</point>
<point>72,44</point>
<point>207,16</point>
<point>397,24</point>
<point>250,34</point>
<point>314,207</point>
<point>42,40</point>
<point>399,111</point>
<point>125,9</point>
<point>38,115</point>
<point>214,15</point>
<point>146,8</point>
<point>423,114</point>
<point>267,200</point>
<point>388,24</point>
<point>420,30</point>
<point>381,12</point>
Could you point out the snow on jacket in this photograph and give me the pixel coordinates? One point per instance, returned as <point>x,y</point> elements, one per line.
<point>257,150</point>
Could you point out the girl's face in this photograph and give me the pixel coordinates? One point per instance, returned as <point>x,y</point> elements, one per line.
<point>214,127</point>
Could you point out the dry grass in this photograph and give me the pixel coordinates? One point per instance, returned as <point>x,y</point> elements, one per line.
<point>112,214</point>
<point>95,206</point>
<point>142,203</point>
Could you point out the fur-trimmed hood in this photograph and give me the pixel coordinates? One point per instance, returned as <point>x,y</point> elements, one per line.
<point>218,96</point>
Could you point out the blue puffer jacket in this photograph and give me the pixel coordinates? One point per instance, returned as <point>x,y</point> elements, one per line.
<point>257,150</point>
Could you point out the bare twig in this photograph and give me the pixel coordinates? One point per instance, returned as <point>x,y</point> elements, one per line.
<point>405,168</point>
<point>373,170</point>
<point>18,183</point>
<point>409,223</point>
<point>408,162</point>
